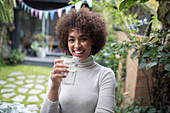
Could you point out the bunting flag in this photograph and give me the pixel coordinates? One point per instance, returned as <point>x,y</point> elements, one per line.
<point>36,13</point>
<point>28,9</point>
<point>52,14</point>
<point>22,4</point>
<point>46,14</point>
<point>19,1</point>
<point>40,15</point>
<point>68,8</point>
<point>32,11</point>
<point>90,2</point>
<point>78,5</point>
<point>59,11</point>
<point>25,7</point>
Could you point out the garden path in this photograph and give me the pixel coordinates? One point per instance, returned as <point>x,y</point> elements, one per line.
<point>26,89</point>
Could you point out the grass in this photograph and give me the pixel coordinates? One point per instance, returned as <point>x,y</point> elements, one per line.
<point>5,70</point>
<point>27,69</point>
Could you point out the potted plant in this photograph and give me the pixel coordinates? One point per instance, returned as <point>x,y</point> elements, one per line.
<point>39,45</point>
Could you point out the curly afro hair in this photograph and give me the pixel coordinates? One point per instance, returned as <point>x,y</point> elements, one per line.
<point>86,22</point>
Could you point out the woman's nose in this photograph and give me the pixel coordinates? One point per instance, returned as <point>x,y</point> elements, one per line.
<point>77,44</point>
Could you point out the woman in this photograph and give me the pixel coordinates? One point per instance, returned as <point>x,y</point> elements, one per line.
<point>81,34</point>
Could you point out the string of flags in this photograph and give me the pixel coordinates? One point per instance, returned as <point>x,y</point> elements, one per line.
<point>46,13</point>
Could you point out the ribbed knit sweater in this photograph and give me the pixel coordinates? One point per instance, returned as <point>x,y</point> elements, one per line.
<point>93,91</point>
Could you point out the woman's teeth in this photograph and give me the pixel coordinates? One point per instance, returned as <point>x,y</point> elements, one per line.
<point>78,52</point>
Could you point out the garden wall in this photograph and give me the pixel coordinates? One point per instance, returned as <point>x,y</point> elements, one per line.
<point>136,84</point>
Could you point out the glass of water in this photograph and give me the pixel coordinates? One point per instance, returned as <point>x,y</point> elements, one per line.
<point>72,63</point>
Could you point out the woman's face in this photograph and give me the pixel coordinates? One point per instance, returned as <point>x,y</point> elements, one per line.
<point>79,45</point>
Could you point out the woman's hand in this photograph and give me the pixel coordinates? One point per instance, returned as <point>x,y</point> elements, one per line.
<point>57,72</point>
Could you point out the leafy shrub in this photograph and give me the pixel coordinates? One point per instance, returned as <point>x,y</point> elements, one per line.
<point>137,107</point>
<point>15,56</point>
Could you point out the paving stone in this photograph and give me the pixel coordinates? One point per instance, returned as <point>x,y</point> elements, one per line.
<point>33,99</point>
<point>28,85</point>
<point>31,76</point>
<point>18,98</point>
<point>34,91</point>
<point>15,73</point>
<point>2,82</point>
<point>10,85</point>
<point>22,90</point>
<point>39,86</point>
<point>32,107</point>
<point>29,81</point>
<point>19,82</point>
<point>21,77</point>
<point>41,76</point>
<point>6,90</point>
<point>7,95</point>
<point>46,83</point>
<point>40,81</point>
<point>42,95</point>
<point>11,79</point>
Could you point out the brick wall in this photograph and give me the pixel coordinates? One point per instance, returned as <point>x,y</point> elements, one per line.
<point>136,84</point>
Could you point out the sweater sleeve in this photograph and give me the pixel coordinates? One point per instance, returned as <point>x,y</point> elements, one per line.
<point>106,100</point>
<point>49,106</point>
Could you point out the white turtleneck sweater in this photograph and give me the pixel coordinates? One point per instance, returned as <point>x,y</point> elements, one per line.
<point>93,91</point>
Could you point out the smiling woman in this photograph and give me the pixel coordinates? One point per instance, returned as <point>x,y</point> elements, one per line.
<point>81,34</point>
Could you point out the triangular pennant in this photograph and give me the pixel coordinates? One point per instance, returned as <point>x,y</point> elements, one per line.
<point>25,7</point>
<point>36,12</point>
<point>28,9</point>
<point>68,8</point>
<point>46,14</point>
<point>59,11</point>
<point>22,4</point>
<point>32,11</point>
<point>52,14</point>
<point>90,2</point>
<point>78,5</point>
<point>40,14</point>
<point>19,1</point>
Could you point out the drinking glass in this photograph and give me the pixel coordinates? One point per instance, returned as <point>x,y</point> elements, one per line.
<point>72,63</point>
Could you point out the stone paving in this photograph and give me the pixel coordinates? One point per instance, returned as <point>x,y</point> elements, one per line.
<point>29,89</point>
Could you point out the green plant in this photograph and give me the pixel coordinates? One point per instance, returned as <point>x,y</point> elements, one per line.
<point>15,56</point>
<point>154,54</point>
<point>6,21</point>
<point>39,42</point>
<point>136,106</point>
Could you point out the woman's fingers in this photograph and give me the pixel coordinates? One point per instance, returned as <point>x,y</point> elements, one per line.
<point>59,65</point>
<point>59,70</point>
<point>56,78</point>
<point>58,61</point>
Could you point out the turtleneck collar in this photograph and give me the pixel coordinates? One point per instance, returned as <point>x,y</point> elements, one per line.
<point>87,62</point>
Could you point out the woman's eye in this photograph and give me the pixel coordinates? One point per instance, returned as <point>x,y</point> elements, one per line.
<point>83,39</point>
<point>71,40</point>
